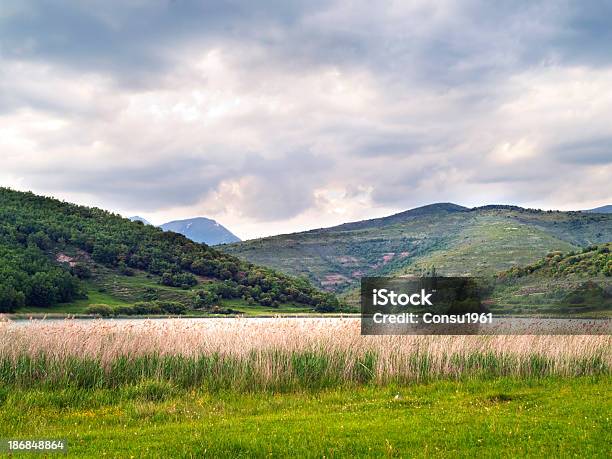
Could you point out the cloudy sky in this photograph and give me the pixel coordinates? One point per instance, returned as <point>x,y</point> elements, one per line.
<point>278,116</point>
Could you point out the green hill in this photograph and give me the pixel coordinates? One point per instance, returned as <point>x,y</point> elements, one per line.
<point>56,256</point>
<point>451,238</point>
<point>558,283</point>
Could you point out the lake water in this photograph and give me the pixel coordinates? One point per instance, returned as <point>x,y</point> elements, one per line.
<point>499,325</point>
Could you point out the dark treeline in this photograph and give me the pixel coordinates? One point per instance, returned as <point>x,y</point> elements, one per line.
<point>31,226</point>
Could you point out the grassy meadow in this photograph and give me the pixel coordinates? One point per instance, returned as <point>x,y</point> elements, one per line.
<point>502,417</point>
<point>300,388</point>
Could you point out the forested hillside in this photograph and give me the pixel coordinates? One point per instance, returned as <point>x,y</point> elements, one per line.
<point>50,250</point>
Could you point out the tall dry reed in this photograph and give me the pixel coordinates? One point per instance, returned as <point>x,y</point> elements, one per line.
<point>277,354</point>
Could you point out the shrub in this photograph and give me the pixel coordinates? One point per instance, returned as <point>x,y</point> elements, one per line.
<point>205,299</point>
<point>152,307</point>
<point>147,308</point>
<point>124,310</point>
<point>172,307</point>
<point>103,310</point>
<point>150,294</point>
<point>184,280</point>
<point>81,271</point>
<point>327,303</point>
<point>124,269</point>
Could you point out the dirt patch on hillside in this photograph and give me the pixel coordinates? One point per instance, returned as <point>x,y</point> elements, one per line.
<point>63,258</point>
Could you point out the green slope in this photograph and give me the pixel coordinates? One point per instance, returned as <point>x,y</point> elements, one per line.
<point>56,256</point>
<point>575,282</point>
<point>487,244</point>
<point>451,238</point>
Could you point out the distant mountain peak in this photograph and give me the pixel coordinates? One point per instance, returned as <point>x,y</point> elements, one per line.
<point>429,209</point>
<point>202,229</point>
<point>136,218</point>
<point>434,208</point>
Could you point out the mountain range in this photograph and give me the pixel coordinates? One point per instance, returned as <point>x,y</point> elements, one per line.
<point>208,231</point>
<point>453,239</point>
<point>199,229</point>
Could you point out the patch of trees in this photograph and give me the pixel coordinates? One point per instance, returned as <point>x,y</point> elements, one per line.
<point>266,290</point>
<point>28,277</point>
<point>183,280</point>
<point>592,260</point>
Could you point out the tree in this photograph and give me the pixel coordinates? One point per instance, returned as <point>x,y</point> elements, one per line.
<point>205,299</point>
<point>10,299</point>
<point>81,271</point>
<point>42,291</point>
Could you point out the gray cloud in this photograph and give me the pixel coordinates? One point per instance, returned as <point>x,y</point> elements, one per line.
<point>585,34</point>
<point>149,186</point>
<point>135,42</point>
<point>589,151</point>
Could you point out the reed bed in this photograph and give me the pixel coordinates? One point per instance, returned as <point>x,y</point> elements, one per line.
<point>273,354</point>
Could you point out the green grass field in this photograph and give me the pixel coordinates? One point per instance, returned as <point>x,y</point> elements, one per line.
<point>549,417</point>
<point>76,307</point>
<point>240,307</point>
